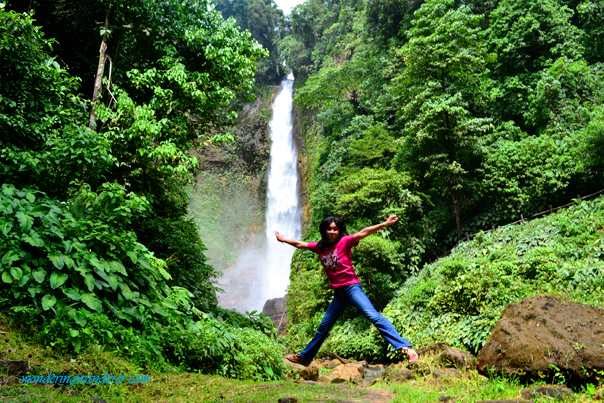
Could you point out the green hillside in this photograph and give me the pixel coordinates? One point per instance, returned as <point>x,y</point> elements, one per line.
<point>459,298</point>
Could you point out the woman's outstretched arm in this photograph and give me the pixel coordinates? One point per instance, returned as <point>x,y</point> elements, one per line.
<point>292,242</point>
<point>365,232</point>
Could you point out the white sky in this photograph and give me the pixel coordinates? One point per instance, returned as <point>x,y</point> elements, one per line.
<point>287,5</point>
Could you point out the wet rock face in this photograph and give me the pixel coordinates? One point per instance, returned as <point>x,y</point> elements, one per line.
<point>547,335</point>
<point>276,309</point>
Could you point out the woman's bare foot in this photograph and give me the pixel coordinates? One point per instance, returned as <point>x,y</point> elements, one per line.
<point>410,353</point>
<point>296,359</point>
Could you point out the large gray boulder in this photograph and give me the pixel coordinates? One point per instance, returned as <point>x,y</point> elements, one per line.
<point>547,335</point>
<point>276,309</point>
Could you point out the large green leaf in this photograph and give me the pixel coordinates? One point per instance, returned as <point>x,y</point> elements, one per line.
<point>91,301</point>
<point>6,224</point>
<point>147,265</point>
<point>57,259</point>
<point>169,304</point>
<point>16,272</point>
<point>68,261</point>
<point>34,290</point>
<point>89,280</point>
<point>33,239</point>
<point>6,277</point>
<point>126,292</point>
<point>97,263</point>
<point>24,279</point>
<point>9,190</point>
<point>39,211</point>
<point>77,343</point>
<point>73,294</point>
<point>132,255</point>
<point>57,279</point>
<point>25,221</point>
<point>48,301</point>
<point>116,265</point>
<point>9,257</point>
<point>112,280</point>
<point>39,275</point>
<point>158,309</point>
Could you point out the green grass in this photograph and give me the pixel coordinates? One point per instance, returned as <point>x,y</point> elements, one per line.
<point>176,385</point>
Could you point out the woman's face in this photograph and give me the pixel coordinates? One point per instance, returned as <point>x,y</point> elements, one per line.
<point>333,232</point>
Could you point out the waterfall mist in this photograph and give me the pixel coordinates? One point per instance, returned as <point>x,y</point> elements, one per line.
<point>262,271</point>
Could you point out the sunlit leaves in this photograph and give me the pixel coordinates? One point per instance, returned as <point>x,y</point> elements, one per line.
<point>73,294</point>
<point>25,221</point>
<point>39,275</point>
<point>33,239</point>
<point>6,277</point>
<point>91,301</point>
<point>48,301</point>
<point>57,279</point>
<point>10,256</point>
<point>16,272</point>
<point>57,259</point>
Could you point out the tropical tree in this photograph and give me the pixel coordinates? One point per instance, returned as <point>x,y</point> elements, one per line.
<point>527,37</point>
<point>77,201</point>
<point>439,94</point>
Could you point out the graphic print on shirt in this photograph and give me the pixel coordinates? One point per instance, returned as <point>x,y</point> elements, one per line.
<point>329,259</point>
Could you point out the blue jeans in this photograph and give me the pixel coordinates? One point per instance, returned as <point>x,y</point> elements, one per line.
<point>351,295</point>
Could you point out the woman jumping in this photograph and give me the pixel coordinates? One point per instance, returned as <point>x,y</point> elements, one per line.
<point>334,253</point>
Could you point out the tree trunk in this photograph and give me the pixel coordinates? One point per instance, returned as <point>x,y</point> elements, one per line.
<point>100,70</point>
<point>457,217</point>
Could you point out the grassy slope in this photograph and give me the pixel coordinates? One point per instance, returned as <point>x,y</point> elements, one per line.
<point>459,298</point>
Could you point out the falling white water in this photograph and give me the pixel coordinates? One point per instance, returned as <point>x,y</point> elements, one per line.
<point>262,271</point>
<point>283,213</point>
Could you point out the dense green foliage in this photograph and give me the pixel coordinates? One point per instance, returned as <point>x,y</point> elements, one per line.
<point>267,25</point>
<point>459,298</point>
<point>96,246</point>
<point>457,116</point>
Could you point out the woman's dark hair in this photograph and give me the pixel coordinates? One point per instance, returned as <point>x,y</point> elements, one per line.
<point>325,242</point>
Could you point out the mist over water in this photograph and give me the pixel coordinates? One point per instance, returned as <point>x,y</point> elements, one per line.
<point>262,271</point>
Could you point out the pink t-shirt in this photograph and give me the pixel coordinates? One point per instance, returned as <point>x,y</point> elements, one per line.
<point>337,262</point>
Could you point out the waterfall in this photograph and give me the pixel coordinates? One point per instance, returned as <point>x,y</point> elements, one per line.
<point>262,271</point>
<point>283,212</point>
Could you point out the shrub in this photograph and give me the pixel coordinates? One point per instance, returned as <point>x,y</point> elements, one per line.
<point>211,346</point>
